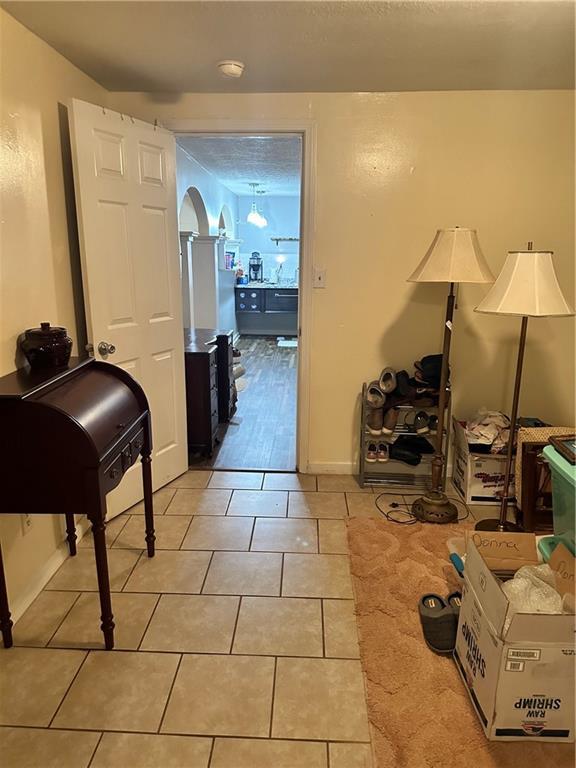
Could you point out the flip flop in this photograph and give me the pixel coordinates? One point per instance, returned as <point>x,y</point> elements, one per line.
<point>439,623</point>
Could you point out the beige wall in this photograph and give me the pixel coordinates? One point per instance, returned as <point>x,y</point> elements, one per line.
<point>391,169</point>
<point>35,270</point>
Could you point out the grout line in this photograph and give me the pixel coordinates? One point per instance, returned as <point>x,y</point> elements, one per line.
<point>201,592</point>
<point>327,755</point>
<point>323,628</point>
<point>273,697</point>
<point>174,492</point>
<point>95,750</point>
<point>228,503</point>
<point>179,733</point>
<point>149,622</point>
<point>78,596</point>
<point>282,575</point>
<point>212,747</point>
<point>131,571</point>
<point>235,624</point>
<point>186,531</point>
<point>86,654</point>
<point>252,534</point>
<point>170,693</point>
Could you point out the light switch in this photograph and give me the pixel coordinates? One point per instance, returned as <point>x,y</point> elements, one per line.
<point>319,277</point>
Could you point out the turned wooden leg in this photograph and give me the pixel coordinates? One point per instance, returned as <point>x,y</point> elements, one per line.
<point>71,532</point>
<point>5,620</point>
<point>107,625</point>
<point>148,503</point>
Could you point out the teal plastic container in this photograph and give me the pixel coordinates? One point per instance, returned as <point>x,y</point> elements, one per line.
<point>563,502</point>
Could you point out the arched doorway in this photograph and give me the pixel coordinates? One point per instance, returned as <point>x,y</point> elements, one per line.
<point>192,222</point>
<point>226,222</point>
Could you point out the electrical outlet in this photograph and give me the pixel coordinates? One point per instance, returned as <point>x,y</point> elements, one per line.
<point>319,277</point>
<point>26,523</point>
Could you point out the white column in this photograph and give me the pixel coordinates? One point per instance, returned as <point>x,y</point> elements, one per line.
<point>205,281</point>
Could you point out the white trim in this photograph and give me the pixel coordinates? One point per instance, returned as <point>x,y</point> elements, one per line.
<point>307,129</point>
<point>21,604</point>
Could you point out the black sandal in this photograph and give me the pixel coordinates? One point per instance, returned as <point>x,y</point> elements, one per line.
<point>439,621</point>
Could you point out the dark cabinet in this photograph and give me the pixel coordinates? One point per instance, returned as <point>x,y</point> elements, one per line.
<point>249,299</point>
<point>201,397</point>
<point>199,338</point>
<point>68,437</point>
<point>281,300</point>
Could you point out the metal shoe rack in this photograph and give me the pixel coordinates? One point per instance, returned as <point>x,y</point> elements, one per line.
<point>393,472</point>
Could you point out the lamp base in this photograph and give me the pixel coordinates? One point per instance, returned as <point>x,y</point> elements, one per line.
<point>434,507</point>
<point>493,524</point>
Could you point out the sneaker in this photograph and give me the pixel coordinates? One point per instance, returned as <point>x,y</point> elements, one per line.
<point>390,421</point>
<point>403,454</point>
<point>382,454</point>
<point>420,423</point>
<point>433,424</point>
<point>371,453</point>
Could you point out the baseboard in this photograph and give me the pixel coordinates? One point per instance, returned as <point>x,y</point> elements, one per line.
<point>20,604</point>
<point>344,468</point>
<point>332,468</point>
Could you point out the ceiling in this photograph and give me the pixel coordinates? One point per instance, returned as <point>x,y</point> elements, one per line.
<point>355,45</point>
<point>272,161</point>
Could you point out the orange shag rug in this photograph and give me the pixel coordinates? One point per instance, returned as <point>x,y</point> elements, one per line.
<point>419,710</point>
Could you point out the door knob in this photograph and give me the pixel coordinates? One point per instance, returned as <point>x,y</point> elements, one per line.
<point>106,349</point>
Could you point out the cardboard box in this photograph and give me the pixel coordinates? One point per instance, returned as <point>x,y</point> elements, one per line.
<point>520,677</point>
<point>478,477</point>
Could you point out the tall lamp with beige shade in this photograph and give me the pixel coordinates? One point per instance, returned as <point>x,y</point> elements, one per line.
<point>454,257</point>
<point>528,287</point>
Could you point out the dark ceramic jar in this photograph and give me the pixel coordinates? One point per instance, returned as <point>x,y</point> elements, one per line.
<point>46,347</point>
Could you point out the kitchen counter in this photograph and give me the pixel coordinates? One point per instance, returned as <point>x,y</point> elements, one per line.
<point>290,286</point>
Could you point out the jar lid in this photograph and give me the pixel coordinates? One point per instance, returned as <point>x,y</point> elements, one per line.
<point>46,331</point>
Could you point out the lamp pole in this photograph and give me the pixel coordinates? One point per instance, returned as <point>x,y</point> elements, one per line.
<point>502,524</point>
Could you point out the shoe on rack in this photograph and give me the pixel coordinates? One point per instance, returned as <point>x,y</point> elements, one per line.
<point>387,380</point>
<point>375,400</point>
<point>398,453</point>
<point>382,454</point>
<point>433,424</point>
<point>389,422</point>
<point>371,453</point>
<point>415,443</point>
<point>419,424</point>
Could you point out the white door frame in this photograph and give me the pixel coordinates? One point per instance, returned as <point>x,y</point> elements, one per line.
<point>307,129</point>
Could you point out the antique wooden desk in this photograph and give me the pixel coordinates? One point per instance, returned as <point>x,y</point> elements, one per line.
<point>67,437</point>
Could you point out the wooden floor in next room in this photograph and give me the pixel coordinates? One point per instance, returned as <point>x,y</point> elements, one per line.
<point>262,432</point>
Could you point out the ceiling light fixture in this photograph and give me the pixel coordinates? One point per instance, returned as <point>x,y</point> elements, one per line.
<point>231,68</point>
<point>254,217</point>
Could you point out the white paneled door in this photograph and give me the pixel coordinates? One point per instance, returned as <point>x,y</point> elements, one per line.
<point>125,181</point>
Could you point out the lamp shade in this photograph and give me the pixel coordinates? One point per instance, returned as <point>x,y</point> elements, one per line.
<point>455,256</point>
<point>528,286</point>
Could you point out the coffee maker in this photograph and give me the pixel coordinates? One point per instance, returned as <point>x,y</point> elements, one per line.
<point>255,271</point>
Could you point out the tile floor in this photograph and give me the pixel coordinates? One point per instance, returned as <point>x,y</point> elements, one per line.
<point>236,644</point>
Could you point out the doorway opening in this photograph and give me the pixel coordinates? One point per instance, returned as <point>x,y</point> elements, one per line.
<point>240,234</point>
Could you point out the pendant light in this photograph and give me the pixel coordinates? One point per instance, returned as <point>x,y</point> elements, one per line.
<point>254,217</point>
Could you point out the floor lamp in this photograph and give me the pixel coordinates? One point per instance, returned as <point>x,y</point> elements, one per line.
<point>527,286</point>
<point>455,256</point>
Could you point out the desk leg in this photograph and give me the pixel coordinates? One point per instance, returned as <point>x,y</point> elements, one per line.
<point>148,503</point>
<point>5,620</point>
<point>71,532</point>
<point>107,625</point>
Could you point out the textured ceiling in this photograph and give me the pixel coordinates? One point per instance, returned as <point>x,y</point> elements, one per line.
<point>272,161</point>
<point>355,45</point>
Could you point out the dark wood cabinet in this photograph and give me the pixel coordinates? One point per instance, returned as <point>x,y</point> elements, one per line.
<point>224,341</point>
<point>67,438</point>
<point>201,395</point>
